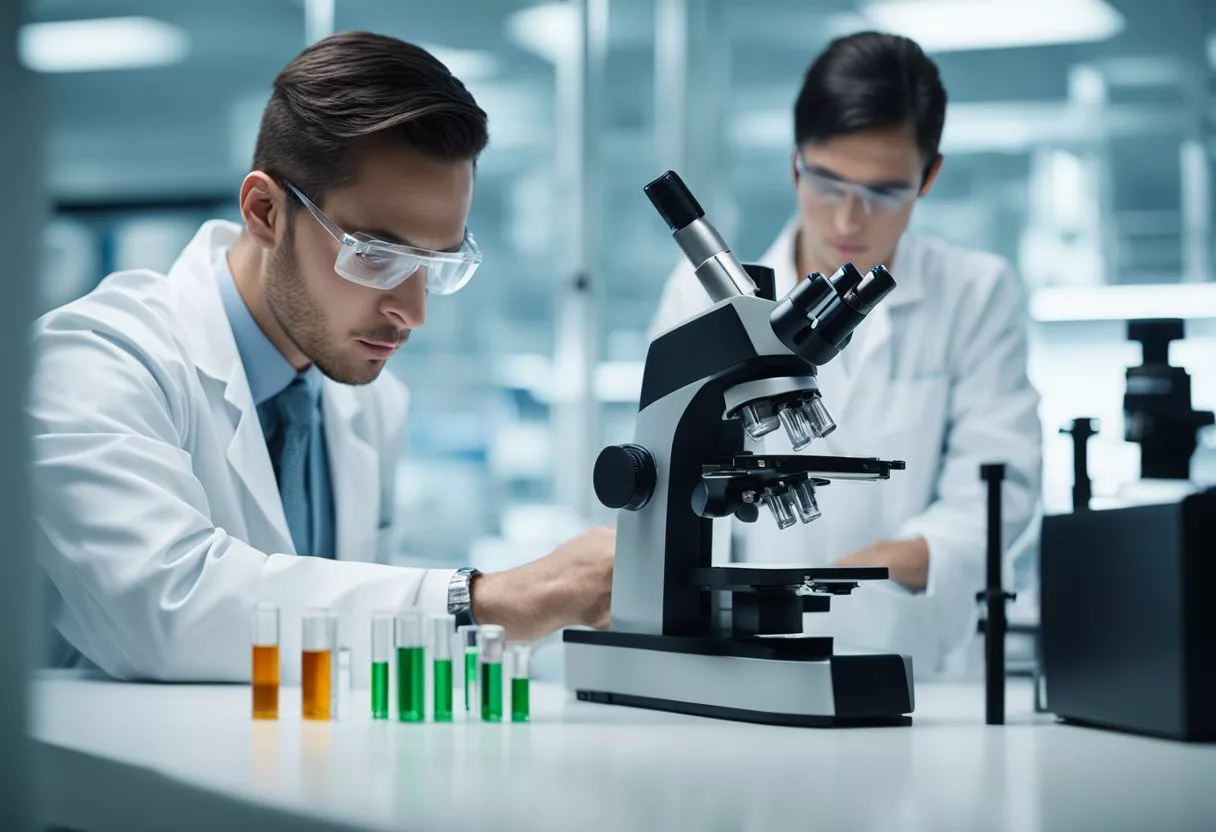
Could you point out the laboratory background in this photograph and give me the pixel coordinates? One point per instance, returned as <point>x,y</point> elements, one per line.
<point>1080,144</point>
<point>1079,148</point>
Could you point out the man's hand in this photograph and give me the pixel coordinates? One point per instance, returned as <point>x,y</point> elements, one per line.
<point>570,585</point>
<point>906,560</point>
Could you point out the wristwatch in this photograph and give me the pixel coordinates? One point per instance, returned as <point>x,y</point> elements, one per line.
<point>460,598</point>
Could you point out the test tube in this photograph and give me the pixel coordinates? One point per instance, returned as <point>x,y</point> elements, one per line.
<point>518,658</point>
<point>265,671</point>
<point>316,663</point>
<point>382,657</point>
<point>469,638</point>
<point>493,640</point>
<point>411,668</point>
<point>342,684</point>
<point>442,628</point>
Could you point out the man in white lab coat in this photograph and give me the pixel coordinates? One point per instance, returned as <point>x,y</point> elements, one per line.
<point>225,436</point>
<point>936,375</point>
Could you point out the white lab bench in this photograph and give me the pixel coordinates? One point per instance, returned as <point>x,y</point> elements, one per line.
<point>129,756</point>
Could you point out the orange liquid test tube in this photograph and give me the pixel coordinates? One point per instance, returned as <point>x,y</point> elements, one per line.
<point>265,670</point>
<point>320,634</point>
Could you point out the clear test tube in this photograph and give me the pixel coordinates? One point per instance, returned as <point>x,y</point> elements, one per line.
<point>342,684</point>
<point>382,659</point>
<point>469,639</point>
<point>317,663</point>
<point>443,627</point>
<point>493,642</point>
<point>411,668</point>
<point>519,657</point>
<point>264,675</point>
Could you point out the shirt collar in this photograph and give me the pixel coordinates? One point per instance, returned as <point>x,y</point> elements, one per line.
<point>268,371</point>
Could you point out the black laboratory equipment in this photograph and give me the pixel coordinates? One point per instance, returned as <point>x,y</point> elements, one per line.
<point>1128,632</point>
<point>1157,406</point>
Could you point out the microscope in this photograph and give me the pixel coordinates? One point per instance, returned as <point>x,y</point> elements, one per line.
<point>727,641</point>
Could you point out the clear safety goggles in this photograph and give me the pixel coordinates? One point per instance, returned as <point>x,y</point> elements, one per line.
<point>830,191</point>
<point>381,265</point>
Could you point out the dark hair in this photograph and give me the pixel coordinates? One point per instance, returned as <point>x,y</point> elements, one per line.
<point>351,90</point>
<point>871,80</point>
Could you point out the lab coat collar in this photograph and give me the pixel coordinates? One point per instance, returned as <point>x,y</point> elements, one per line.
<point>212,346</point>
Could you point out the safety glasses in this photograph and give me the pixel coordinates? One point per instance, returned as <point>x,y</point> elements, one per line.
<point>830,191</point>
<point>380,265</point>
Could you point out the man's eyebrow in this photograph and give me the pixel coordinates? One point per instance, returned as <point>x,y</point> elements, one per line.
<point>390,237</point>
<point>826,173</point>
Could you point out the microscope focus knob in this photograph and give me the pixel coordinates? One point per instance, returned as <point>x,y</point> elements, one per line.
<point>624,477</point>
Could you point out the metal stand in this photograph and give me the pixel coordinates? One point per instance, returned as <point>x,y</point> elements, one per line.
<point>1082,428</point>
<point>995,597</point>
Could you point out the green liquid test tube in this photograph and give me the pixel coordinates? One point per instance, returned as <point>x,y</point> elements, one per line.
<point>411,668</point>
<point>493,642</point>
<point>382,656</point>
<point>469,639</point>
<point>518,658</point>
<point>442,631</point>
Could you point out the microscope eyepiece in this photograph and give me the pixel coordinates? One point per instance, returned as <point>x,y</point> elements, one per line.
<point>818,316</point>
<point>873,288</point>
<point>674,202</point>
<point>846,279</point>
<point>712,260</point>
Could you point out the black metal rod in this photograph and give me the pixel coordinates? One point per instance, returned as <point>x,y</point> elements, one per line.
<point>995,596</point>
<point>1080,431</point>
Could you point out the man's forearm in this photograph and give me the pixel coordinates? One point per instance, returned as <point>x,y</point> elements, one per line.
<point>907,561</point>
<point>524,611</point>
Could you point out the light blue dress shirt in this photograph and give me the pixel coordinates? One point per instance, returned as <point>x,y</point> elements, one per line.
<point>269,373</point>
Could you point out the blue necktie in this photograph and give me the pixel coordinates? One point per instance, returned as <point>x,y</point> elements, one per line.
<point>295,406</point>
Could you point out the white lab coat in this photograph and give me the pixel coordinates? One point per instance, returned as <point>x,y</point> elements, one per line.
<point>936,376</point>
<point>160,520</point>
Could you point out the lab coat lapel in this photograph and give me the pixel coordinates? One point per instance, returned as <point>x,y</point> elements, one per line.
<point>354,472</point>
<point>213,348</point>
<point>250,458</point>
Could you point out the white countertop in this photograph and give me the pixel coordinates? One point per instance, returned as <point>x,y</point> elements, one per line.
<point>126,756</point>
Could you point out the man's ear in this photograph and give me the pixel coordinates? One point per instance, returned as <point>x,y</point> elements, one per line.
<point>931,175</point>
<point>263,209</point>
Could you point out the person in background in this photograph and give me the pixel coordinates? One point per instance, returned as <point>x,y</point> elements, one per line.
<point>936,375</point>
<point>224,435</point>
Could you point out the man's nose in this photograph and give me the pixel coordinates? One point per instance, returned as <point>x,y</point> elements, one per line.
<point>405,305</point>
<point>849,212</point>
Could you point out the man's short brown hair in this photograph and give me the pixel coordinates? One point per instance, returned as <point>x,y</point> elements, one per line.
<point>351,91</point>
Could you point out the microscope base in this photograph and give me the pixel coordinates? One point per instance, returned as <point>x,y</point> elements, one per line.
<point>700,677</point>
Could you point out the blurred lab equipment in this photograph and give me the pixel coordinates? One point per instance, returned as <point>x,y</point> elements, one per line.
<point>994,597</point>
<point>1157,406</point>
<point>1127,629</point>
<point>727,641</point>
